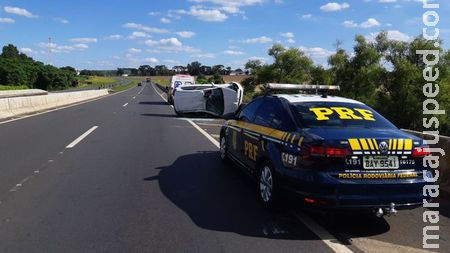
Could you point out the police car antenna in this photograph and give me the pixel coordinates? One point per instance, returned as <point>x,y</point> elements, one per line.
<point>324,89</point>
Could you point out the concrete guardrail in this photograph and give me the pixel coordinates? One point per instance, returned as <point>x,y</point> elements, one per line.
<point>16,106</point>
<point>22,93</point>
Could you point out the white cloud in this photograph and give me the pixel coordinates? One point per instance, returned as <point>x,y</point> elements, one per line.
<point>113,37</point>
<point>153,13</point>
<point>61,20</point>
<point>307,16</point>
<point>26,50</point>
<point>369,23</point>
<point>151,60</point>
<point>209,15</point>
<point>84,40</point>
<point>290,41</point>
<point>387,1</point>
<point>134,50</point>
<point>232,52</point>
<point>185,34</point>
<point>7,20</point>
<point>262,39</point>
<point>165,20</point>
<point>392,35</point>
<point>204,56</point>
<point>63,48</point>
<point>19,11</point>
<point>329,7</point>
<point>144,28</point>
<point>169,45</point>
<point>317,52</point>
<point>288,35</point>
<point>138,35</point>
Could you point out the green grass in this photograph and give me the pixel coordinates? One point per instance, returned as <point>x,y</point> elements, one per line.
<point>163,82</point>
<point>95,81</point>
<point>20,87</point>
<point>130,85</point>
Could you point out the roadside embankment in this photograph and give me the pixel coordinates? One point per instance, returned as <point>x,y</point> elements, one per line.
<point>444,161</point>
<point>16,106</point>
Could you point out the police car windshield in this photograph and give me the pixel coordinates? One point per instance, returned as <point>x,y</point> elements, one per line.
<point>339,115</point>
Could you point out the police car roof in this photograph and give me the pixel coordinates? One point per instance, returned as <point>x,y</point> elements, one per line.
<point>299,98</point>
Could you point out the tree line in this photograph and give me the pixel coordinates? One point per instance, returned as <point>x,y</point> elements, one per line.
<point>194,68</point>
<point>386,74</point>
<point>17,69</point>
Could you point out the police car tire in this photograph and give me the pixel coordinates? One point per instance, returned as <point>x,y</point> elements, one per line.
<point>223,153</point>
<point>270,200</point>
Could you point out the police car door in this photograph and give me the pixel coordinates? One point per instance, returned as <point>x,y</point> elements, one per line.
<point>253,141</point>
<point>237,133</point>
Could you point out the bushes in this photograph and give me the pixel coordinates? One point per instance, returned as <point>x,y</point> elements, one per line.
<point>385,74</point>
<point>17,69</point>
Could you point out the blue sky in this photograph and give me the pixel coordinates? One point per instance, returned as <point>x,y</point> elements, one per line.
<point>109,34</point>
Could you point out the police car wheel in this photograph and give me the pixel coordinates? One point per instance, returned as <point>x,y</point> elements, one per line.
<point>223,149</point>
<point>267,186</point>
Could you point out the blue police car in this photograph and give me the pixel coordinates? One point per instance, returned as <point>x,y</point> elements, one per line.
<point>333,152</point>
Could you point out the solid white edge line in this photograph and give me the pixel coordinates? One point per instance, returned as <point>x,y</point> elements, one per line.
<point>323,234</point>
<point>160,94</point>
<point>209,137</point>
<point>79,139</point>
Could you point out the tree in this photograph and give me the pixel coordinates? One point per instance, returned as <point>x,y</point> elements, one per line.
<point>194,68</point>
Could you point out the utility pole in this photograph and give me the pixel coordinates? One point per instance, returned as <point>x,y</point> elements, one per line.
<point>49,50</point>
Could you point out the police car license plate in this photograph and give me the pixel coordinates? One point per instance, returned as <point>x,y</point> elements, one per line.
<point>380,162</point>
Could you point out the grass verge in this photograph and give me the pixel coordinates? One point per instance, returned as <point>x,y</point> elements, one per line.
<point>21,87</point>
<point>130,85</point>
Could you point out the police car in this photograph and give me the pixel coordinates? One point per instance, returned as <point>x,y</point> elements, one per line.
<point>333,152</point>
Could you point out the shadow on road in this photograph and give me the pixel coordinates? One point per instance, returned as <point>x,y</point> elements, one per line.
<point>222,198</point>
<point>153,103</point>
<point>160,115</point>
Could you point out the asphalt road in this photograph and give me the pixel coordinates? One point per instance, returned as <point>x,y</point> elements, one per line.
<point>144,180</point>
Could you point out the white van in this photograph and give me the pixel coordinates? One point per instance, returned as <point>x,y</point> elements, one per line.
<point>177,81</point>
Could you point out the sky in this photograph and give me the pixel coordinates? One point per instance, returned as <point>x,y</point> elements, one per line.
<point>100,34</point>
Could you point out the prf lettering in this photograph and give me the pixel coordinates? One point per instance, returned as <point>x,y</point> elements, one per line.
<point>250,150</point>
<point>323,113</point>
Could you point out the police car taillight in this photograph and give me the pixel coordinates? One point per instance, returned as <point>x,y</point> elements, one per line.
<point>328,151</point>
<point>420,152</point>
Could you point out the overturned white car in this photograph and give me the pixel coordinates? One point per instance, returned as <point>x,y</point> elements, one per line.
<point>215,99</point>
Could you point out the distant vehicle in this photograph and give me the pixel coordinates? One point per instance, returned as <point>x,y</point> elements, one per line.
<point>177,81</point>
<point>139,84</point>
<point>149,79</point>
<point>333,152</point>
<point>214,99</point>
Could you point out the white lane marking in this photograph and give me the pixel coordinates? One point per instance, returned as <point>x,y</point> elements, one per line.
<point>160,94</point>
<point>125,105</point>
<point>134,97</point>
<point>208,124</point>
<point>324,235</point>
<point>139,93</point>
<point>209,137</point>
<point>77,140</point>
<point>20,184</point>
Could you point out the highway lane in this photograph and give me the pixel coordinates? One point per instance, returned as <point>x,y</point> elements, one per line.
<point>143,181</point>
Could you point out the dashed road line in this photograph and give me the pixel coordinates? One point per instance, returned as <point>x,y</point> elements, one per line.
<point>125,105</point>
<point>79,139</point>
